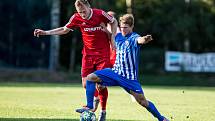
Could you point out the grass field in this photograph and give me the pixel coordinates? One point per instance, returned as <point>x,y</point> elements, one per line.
<point>57,102</point>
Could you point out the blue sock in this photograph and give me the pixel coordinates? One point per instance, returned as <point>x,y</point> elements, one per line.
<point>90,90</point>
<point>152,109</point>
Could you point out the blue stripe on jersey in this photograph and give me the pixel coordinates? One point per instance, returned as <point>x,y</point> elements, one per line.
<point>126,63</point>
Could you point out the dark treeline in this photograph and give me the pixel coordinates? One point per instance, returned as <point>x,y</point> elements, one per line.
<point>18,47</point>
<point>178,25</point>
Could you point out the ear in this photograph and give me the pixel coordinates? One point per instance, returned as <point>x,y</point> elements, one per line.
<point>132,26</point>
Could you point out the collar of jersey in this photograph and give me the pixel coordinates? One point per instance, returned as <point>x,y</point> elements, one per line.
<point>128,35</point>
<point>91,14</point>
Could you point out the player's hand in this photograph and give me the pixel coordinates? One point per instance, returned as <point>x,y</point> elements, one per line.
<point>38,32</point>
<point>147,38</point>
<point>104,29</point>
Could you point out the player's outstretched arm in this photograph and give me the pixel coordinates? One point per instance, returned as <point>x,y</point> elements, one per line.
<point>144,39</point>
<point>57,31</point>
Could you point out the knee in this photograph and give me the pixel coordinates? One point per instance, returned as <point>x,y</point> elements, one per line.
<point>100,87</point>
<point>142,101</point>
<point>92,77</point>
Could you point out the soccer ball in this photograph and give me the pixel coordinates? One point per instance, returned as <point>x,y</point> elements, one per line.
<point>88,116</point>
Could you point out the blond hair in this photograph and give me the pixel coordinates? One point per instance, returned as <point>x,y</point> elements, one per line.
<point>81,3</point>
<point>127,19</point>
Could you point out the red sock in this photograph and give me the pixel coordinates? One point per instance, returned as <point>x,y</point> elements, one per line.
<point>103,95</point>
<point>96,93</point>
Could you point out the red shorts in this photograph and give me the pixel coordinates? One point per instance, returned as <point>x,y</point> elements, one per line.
<point>91,63</point>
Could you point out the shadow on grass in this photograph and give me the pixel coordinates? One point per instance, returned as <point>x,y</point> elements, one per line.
<point>44,119</point>
<point>35,119</point>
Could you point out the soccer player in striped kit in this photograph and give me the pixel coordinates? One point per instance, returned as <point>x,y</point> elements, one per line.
<point>96,43</point>
<point>125,70</point>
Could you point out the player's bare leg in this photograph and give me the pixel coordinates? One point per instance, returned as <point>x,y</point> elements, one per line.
<point>141,99</point>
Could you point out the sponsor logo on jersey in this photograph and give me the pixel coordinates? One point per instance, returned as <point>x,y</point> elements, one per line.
<point>92,29</point>
<point>126,43</point>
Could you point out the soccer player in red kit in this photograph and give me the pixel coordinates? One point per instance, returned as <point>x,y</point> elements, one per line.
<point>96,43</point>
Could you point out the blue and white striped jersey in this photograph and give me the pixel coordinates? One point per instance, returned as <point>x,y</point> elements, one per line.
<point>127,55</point>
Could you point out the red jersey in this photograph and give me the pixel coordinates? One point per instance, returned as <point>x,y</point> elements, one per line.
<point>95,40</point>
<point>112,57</point>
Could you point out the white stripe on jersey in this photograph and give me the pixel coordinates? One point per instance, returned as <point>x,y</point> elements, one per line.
<point>131,66</point>
<point>134,59</point>
<point>120,62</point>
<point>70,20</point>
<point>91,14</point>
<point>110,18</point>
<point>123,58</point>
<point>126,66</point>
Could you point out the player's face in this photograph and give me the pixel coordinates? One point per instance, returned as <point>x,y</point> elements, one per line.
<point>125,29</point>
<point>83,11</point>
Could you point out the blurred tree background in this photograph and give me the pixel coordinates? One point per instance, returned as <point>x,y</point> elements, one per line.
<point>18,47</point>
<point>179,25</point>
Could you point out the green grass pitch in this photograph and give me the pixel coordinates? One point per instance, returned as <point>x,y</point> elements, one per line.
<point>57,102</point>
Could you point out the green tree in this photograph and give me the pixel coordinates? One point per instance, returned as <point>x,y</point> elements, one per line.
<point>171,21</point>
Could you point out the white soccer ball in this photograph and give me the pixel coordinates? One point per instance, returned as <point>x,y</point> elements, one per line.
<point>88,116</point>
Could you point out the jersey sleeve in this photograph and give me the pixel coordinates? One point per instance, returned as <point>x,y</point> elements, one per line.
<point>117,37</point>
<point>136,42</point>
<point>106,17</point>
<point>72,23</point>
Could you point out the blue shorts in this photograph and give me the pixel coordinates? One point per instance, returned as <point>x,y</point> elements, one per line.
<point>110,78</point>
